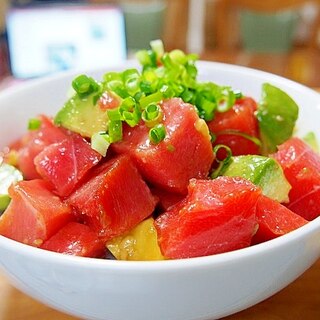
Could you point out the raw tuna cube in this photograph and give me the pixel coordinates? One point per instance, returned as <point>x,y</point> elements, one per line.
<point>34,213</point>
<point>185,153</point>
<point>301,165</point>
<point>217,216</point>
<point>65,163</point>
<point>76,239</point>
<point>115,199</point>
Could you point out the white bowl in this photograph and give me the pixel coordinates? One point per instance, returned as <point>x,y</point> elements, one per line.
<point>187,289</point>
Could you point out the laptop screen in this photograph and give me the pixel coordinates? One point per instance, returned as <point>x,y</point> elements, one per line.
<point>46,39</point>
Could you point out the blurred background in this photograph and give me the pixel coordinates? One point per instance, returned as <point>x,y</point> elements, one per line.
<point>40,37</point>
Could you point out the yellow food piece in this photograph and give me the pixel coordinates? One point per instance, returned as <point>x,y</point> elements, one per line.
<point>202,127</point>
<point>139,244</point>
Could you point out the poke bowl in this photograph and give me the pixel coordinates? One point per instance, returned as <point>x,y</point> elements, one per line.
<point>192,287</point>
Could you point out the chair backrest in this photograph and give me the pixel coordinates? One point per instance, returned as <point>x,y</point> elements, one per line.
<point>268,25</point>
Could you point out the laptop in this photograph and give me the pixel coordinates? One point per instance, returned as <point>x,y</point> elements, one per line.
<point>44,39</point>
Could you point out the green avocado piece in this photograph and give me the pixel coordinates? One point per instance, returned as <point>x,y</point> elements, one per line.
<point>82,115</point>
<point>277,114</point>
<point>262,171</point>
<point>8,175</point>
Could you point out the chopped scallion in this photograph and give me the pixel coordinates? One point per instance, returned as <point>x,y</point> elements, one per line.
<point>152,98</point>
<point>114,114</point>
<point>100,142</point>
<point>164,75</point>
<point>221,161</point>
<point>157,47</point>
<point>131,78</point>
<point>84,85</point>
<point>171,148</point>
<point>206,108</point>
<point>226,101</point>
<point>128,104</point>
<point>238,94</point>
<point>157,133</point>
<point>131,118</point>
<point>115,130</point>
<point>187,95</point>
<point>178,56</point>
<point>130,111</point>
<point>152,115</point>
<point>253,139</point>
<point>167,91</point>
<point>146,87</point>
<point>34,124</point>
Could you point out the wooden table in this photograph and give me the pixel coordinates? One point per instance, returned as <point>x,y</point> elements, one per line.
<point>300,300</point>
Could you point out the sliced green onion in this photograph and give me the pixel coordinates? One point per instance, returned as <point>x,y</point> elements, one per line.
<point>84,85</point>
<point>157,47</point>
<point>128,104</point>
<point>117,87</point>
<point>153,58</point>
<point>131,118</point>
<point>238,94</point>
<point>177,56</point>
<point>143,57</point>
<point>100,142</point>
<point>221,162</point>
<point>132,85</point>
<point>130,111</point>
<point>167,61</point>
<point>152,115</point>
<point>227,100</point>
<point>178,89</point>
<point>164,75</point>
<point>110,76</point>
<point>171,148</point>
<point>253,139</point>
<point>114,114</point>
<point>151,111</point>
<point>206,108</point>
<point>146,87</point>
<point>152,98</point>
<point>147,58</point>
<point>220,147</point>
<point>157,133</point>
<point>34,124</point>
<point>212,136</point>
<point>167,91</point>
<point>130,73</point>
<point>187,95</point>
<point>150,76</point>
<point>115,131</point>
<point>191,69</point>
<point>131,78</point>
